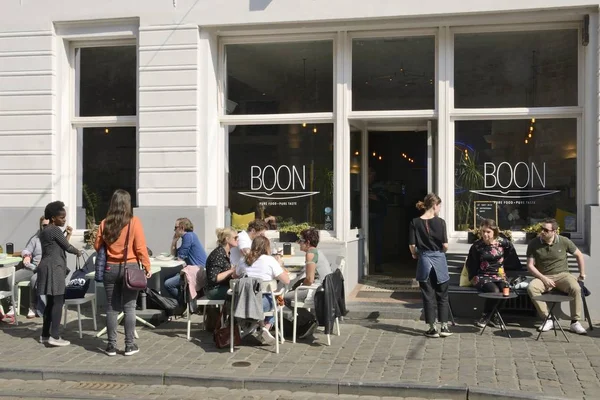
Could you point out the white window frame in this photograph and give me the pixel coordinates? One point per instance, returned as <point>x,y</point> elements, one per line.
<point>507,113</point>
<point>289,118</point>
<point>71,36</point>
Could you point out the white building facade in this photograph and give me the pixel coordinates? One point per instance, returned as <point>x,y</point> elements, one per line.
<point>215,110</point>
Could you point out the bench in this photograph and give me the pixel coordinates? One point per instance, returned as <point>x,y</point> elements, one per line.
<point>521,305</point>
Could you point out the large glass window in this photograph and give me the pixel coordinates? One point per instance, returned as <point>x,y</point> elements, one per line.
<point>107,153</point>
<point>516,69</point>
<point>275,78</point>
<point>107,80</point>
<point>529,167</point>
<point>284,171</point>
<point>356,173</point>
<point>393,73</point>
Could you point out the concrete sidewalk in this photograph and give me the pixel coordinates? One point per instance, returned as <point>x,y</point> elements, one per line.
<point>380,357</point>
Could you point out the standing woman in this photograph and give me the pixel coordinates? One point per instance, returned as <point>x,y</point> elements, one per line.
<point>123,236</point>
<point>428,241</point>
<point>52,271</point>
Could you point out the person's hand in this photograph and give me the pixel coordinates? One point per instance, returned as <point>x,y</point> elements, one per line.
<point>26,260</point>
<point>549,283</point>
<point>415,256</point>
<point>581,277</point>
<point>79,253</point>
<point>148,274</point>
<point>69,230</point>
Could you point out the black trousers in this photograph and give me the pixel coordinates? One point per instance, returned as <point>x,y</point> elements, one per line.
<point>491,287</point>
<point>435,295</point>
<point>52,316</point>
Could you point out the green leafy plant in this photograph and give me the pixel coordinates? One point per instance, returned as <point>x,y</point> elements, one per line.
<point>468,177</point>
<point>537,228</point>
<point>291,227</point>
<point>90,203</point>
<point>506,233</point>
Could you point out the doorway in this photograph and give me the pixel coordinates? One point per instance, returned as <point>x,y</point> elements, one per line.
<point>399,175</point>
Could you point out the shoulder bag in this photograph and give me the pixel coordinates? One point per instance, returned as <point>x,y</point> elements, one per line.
<point>135,278</point>
<point>222,335</point>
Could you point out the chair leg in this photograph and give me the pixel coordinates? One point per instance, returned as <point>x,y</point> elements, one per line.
<point>328,340</point>
<point>94,313</point>
<point>294,323</point>
<point>12,299</point>
<point>281,324</point>
<point>276,329</point>
<point>231,326</point>
<point>337,324</point>
<point>450,312</point>
<point>79,320</point>
<point>587,314</point>
<point>65,317</point>
<point>18,308</point>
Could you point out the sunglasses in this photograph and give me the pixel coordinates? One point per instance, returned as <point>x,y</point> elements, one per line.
<point>300,241</point>
<point>235,237</point>
<point>547,230</point>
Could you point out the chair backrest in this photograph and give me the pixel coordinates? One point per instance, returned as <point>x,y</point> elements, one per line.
<point>342,266</point>
<point>269,286</point>
<point>7,272</point>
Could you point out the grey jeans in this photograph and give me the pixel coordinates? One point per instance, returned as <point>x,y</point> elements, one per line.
<point>25,274</point>
<point>119,298</point>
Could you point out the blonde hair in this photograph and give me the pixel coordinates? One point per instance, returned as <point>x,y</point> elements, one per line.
<point>223,234</point>
<point>428,202</point>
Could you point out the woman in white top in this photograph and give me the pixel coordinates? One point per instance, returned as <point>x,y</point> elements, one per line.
<point>260,264</point>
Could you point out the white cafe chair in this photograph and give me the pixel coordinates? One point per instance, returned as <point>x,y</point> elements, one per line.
<point>9,273</point>
<point>89,298</point>
<point>308,303</point>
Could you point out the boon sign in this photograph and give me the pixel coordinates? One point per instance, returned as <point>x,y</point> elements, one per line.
<point>278,182</point>
<point>517,181</point>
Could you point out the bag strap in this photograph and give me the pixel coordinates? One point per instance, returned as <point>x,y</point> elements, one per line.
<point>218,325</point>
<point>77,263</point>
<point>126,248</point>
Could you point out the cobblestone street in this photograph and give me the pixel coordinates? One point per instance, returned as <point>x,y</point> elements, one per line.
<point>372,353</point>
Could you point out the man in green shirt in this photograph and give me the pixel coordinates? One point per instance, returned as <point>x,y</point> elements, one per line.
<point>547,262</point>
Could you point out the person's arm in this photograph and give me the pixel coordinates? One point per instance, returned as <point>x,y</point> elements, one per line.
<point>278,271</point>
<point>64,243</point>
<point>186,244</point>
<point>412,240</point>
<point>99,241</point>
<point>225,275</point>
<point>69,231</point>
<point>284,277</point>
<point>139,245</point>
<point>472,263</point>
<point>580,263</point>
<point>174,246</point>
<point>311,267</point>
<point>549,283</point>
<point>445,237</point>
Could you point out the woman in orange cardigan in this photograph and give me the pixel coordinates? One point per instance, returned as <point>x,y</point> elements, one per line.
<point>121,233</point>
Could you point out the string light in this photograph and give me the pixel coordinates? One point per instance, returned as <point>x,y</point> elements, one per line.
<point>356,153</point>
<point>304,124</point>
<point>315,129</point>
<point>380,157</point>
<point>374,154</point>
<point>531,129</point>
<point>106,131</point>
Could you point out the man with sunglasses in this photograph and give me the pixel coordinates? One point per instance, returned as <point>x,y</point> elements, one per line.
<point>547,262</point>
<point>258,227</point>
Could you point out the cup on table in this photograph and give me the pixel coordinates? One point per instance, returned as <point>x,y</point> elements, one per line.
<point>505,291</point>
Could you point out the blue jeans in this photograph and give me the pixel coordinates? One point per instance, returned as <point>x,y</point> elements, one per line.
<point>268,306</point>
<point>172,285</point>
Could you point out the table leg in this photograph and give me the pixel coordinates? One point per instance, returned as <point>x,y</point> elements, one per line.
<point>559,327</point>
<point>487,321</point>
<point>503,325</point>
<point>549,316</point>
<point>119,319</point>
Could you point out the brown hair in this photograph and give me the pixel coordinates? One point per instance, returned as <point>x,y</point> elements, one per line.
<point>311,236</point>
<point>428,202</point>
<point>260,246</point>
<point>42,219</point>
<point>551,221</point>
<point>186,224</point>
<point>490,224</point>
<point>258,225</point>
<point>118,216</point>
<point>223,234</point>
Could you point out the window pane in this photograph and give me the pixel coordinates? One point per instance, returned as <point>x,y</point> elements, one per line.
<point>356,172</point>
<point>530,181</point>
<point>108,83</point>
<point>393,74</point>
<point>516,69</point>
<point>285,171</point>
<point>276,78</point>
<point>109,163</point>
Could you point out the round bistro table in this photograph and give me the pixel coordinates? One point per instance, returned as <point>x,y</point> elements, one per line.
<point>499,300</point>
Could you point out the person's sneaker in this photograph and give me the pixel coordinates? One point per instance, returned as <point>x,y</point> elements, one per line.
<point>577,328</point>
<point>11,312</point>
<point>495,321</point>
<point>309,331</point>
<point>31,314</point>
<point>432,333</point>
<point>43,340</point>
<point>445,332</point>
<point>266,336</point>
<point>481,322</point>
<point>131,349</point>
<point>60,342</point>
<point>111,350</point>
<point>547,326</point>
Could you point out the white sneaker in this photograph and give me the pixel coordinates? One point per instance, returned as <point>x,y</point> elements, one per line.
<point>266,336</point>
<point>11,311</point>
<point>43,340</point>
<point>577,328</point>
<point>31,314</point>
<point>58,342</point>
<point>547,326</point>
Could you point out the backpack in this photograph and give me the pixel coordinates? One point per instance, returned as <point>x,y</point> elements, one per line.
<point>160,302</point>
<point>78,285</point>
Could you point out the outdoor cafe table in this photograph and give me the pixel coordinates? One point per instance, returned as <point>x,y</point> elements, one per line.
<point>10,261</point>
<point>155,267</point>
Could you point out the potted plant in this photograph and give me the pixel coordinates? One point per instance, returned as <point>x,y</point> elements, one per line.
<point>532,231</point>
<point>469,176</point>
<point>472,235</point>
<point>90,203</point>
<point>289,231</point>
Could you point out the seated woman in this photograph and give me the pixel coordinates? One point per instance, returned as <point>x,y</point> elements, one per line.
<point>260,264</point>
<point>32,254</point>
<point>486,256</point>
<point>316,267</point>
<point>218,265</point>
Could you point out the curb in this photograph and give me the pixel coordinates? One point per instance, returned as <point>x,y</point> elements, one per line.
<point>342,387</point>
